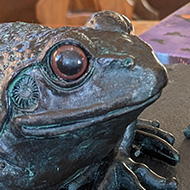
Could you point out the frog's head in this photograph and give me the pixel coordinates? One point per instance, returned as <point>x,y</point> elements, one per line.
<point>82,73</point>
<point>74,79</point>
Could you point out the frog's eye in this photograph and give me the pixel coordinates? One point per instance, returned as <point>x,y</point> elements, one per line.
<point>69,62</point>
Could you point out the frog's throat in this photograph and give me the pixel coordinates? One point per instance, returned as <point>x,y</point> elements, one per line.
<point>29,130</point>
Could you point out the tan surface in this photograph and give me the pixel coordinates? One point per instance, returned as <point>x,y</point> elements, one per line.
<point>14,10</point>
<point>142,26</point>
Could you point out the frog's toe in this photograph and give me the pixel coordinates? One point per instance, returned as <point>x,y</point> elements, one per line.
<point>124,173</point>
<point>120,176</point>
<point>152,127</point>
<point>187,132</point>
<point>149,179</point>
<point>155,143</point>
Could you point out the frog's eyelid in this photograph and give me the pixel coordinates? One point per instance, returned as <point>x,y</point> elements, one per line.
<point>74,42</point>
<point>131,56</point>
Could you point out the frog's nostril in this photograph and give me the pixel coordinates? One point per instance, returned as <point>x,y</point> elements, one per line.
<point>128,62</point>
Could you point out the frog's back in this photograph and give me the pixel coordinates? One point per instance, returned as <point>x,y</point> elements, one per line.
<point>16,42</point>
<point>20,45</point>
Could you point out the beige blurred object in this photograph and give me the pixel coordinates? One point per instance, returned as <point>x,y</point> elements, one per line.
<point>124,7</point>
<point>14,10</point>
<point>75,12</point>
<point>144,11</point>
<point>142,26</point>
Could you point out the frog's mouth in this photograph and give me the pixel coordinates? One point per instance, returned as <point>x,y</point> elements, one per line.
<point>55,124</point>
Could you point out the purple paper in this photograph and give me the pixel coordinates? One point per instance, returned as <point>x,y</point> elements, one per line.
<point>170,39</point>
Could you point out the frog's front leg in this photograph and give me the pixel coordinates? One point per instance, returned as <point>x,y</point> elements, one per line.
<point>124,173</point>
<point>155,142</point>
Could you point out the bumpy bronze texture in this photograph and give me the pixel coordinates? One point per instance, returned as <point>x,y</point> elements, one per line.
<point>70,98</point>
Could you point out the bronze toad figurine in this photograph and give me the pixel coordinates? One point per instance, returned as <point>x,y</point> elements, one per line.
<point>70,98</point>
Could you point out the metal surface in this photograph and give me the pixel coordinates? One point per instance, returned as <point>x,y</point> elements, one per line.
<point>74,129</point>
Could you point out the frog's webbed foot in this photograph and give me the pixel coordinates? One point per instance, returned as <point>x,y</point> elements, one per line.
<point>124,173</point>
<point>155,142</point>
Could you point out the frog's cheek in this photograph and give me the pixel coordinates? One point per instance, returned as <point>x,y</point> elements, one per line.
<point>21,93</point>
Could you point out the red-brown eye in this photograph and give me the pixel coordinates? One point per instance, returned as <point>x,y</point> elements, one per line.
<point>69,62</point>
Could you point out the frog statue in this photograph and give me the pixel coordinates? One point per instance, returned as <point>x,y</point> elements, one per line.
<point>70,98</point>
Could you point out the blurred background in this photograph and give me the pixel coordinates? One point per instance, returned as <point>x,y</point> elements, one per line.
<point>74,12</point>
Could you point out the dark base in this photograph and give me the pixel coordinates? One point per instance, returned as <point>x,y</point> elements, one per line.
<point>173,112</point>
